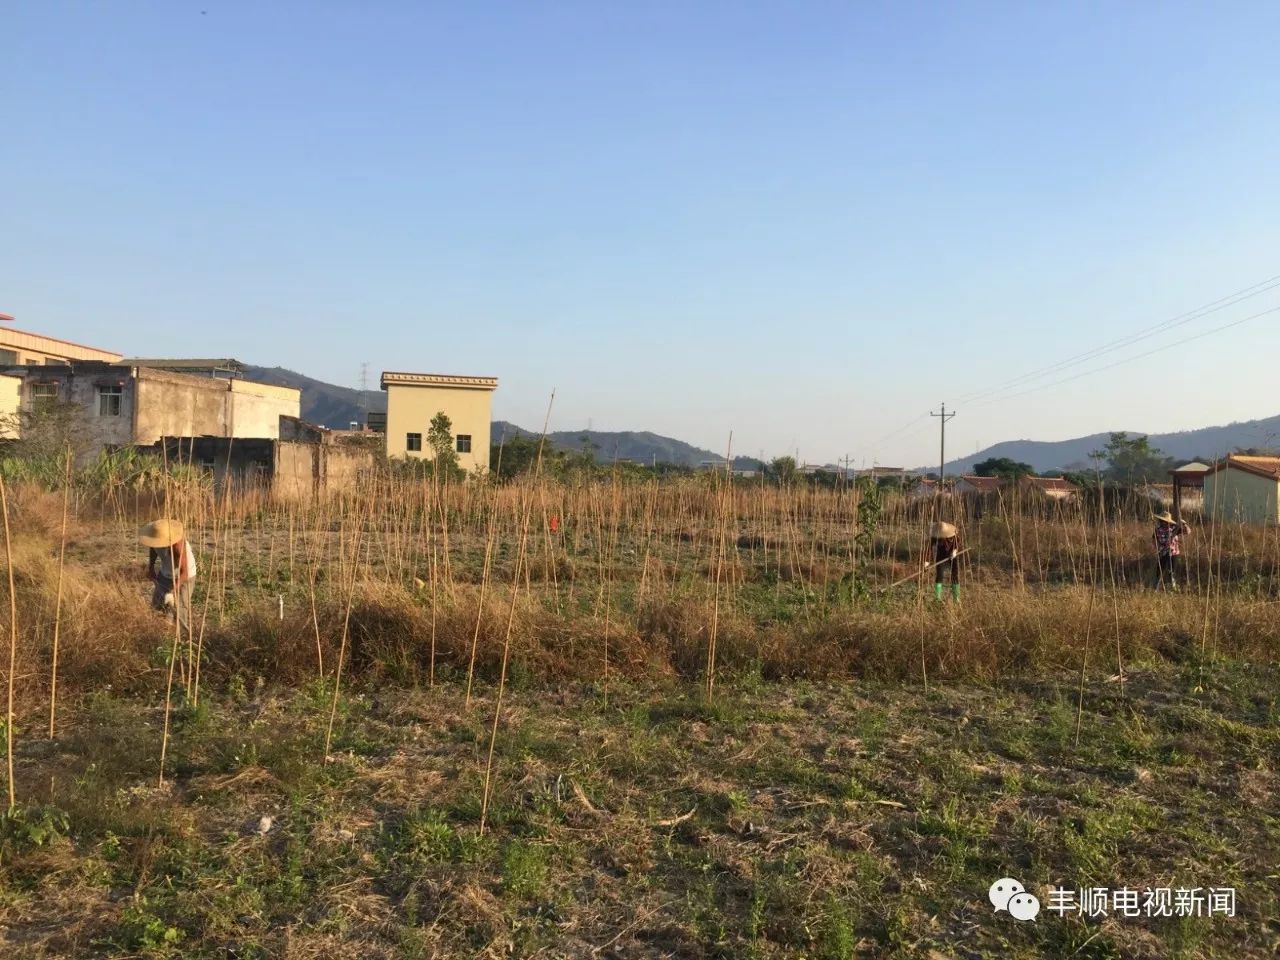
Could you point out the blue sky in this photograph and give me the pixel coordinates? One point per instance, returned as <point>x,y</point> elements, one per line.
<point>804,223</point>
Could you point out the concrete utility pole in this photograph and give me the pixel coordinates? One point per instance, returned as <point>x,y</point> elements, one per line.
<point>942,457</point>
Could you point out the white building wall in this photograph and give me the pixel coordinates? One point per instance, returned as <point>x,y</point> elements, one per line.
<point>1236,495</point>
<point>256,408</point>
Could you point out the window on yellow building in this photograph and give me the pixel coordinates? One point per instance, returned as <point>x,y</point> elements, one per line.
<point>413,441</point>
<point>464,443</point>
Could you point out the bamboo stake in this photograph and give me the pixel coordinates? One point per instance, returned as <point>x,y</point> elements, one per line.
<point>435,602</point>
<point>176,566</point>
<point>615,508</point>
<point>173,658</point>
<point>57,607</point>
<point>13,644</point>
<point>484,584</point>
<point>511,617</point>
<point>342,647</point>
<point>1084,659</point>
<point>715,605</point>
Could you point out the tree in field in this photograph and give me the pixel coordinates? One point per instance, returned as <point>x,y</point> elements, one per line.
<point>1003,467</point>
<point>783,470</point>
<point>440,440</point>
<point>584,460</point>
<point>47,430</point>
<point>513,456</point>
<point>1132,460</point>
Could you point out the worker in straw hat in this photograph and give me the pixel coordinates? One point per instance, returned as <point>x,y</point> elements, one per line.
<point>1167,540</point>
<point>944,540</point>
<point>177,568</point>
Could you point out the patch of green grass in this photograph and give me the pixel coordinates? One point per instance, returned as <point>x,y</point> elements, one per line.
<point>837,937</point>
<point>722,712</point>
<point>829,821</point>
<point>1092,837</point>
<point>141,930</point>
<point>525,869</point>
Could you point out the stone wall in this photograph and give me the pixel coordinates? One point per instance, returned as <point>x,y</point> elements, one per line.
<point>344,467</point>
<point>256,408</point>
<point>177,405</point>
<point>292,471</point>
<point>244,463</point>
<point>297,470</point>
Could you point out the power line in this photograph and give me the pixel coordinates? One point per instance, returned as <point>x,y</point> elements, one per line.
<point>1207,309</point>
<point>1199,313</point>
<point>1138,356</point>
<point>904,427</point>
<point>920,428</point>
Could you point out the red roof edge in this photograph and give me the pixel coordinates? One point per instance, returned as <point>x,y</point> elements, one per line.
<point>1246,467</point>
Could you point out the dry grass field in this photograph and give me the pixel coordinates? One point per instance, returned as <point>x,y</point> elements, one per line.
<point>624,718</point>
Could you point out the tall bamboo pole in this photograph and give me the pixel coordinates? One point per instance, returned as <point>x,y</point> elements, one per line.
<point>715,605</point>
<point>511,617</point>
<point>13,644</point>
<point>57,604</point>
<point>346,628</point>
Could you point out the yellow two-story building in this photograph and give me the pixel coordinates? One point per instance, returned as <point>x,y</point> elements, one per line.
<point>413,399</point>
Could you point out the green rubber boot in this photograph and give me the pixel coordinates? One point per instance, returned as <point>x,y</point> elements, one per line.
<point>937,592</point>
<point>955,592</point>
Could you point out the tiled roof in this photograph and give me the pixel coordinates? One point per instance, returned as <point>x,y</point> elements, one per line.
<point>1051,484</point>
<point>1268,467</point>
<point>1267,463</point>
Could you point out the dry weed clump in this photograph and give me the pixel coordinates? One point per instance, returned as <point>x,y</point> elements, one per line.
<point>676,630</point>
<point>634,580</point>
<point>108,636</point>
<point>36,511</point>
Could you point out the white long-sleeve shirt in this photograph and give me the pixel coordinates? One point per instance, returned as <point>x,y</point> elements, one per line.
<point>166,562</point>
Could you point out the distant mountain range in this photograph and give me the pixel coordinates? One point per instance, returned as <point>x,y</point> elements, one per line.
<point>1205,444</point>
<point>640,447</point>
<point>334,406</point>
<point>324,403</point>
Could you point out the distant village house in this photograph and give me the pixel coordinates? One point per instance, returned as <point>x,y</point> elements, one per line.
<point>1244,489</point>
<point>1054,489</point>
<point>22,348</point>
<point>973,484</point>
<point>121,404</point>
<point>413,399</point>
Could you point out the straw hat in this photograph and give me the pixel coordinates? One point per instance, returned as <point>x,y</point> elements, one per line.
<point>1165,515</point>
<point>942,531</point>
<point>160,533</point>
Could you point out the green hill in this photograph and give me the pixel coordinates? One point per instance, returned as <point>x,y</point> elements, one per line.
<point>334,406</point>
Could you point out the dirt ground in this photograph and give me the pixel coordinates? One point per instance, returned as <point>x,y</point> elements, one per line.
<point>780,820</point>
